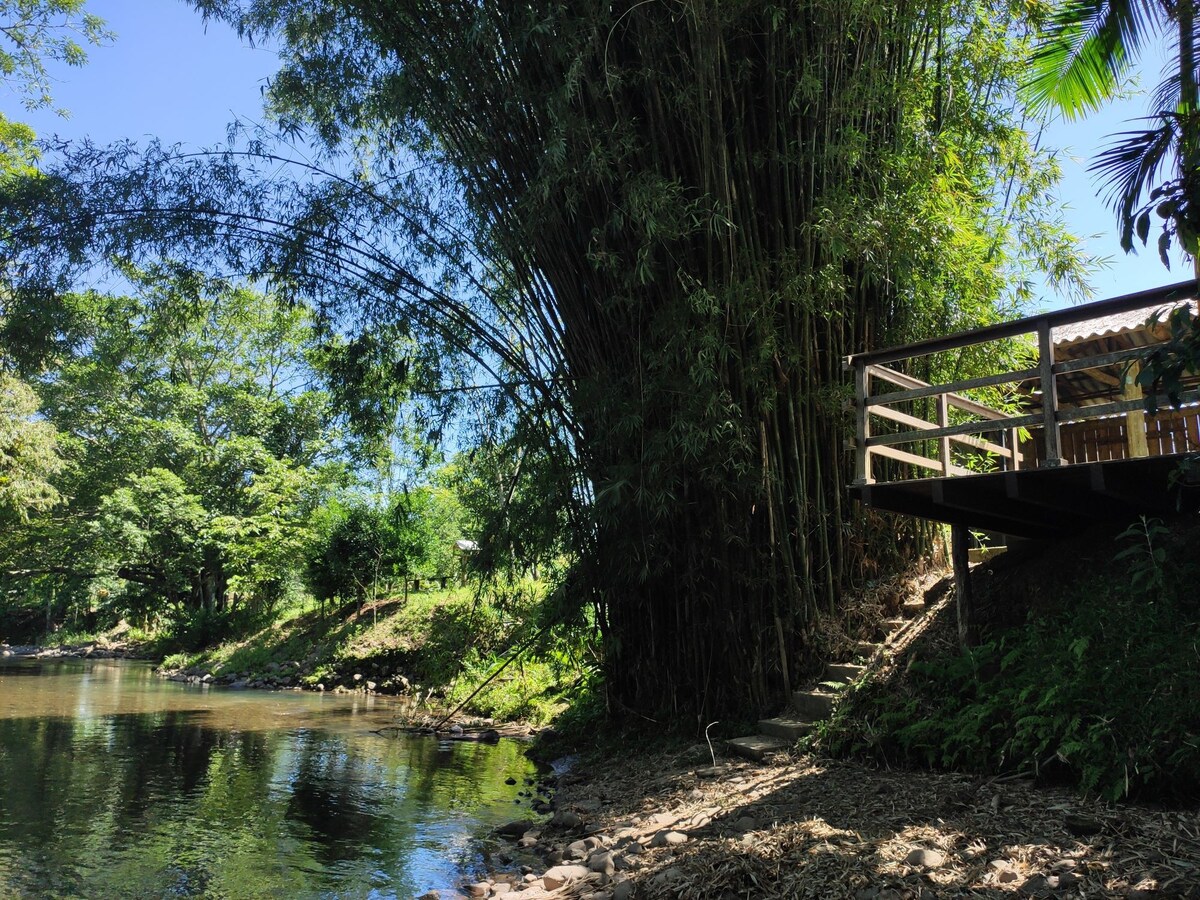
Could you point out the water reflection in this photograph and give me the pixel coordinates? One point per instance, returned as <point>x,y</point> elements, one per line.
<point>114,783</point>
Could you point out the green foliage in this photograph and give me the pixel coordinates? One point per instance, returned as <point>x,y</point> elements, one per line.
<point>195,447</point>
<point>29,457</point>
<point>1165,366</point>
<point>1102,692</point>
<point>1082,62</point>
<point>153,532</point>
<point>1146,555</point>
<point>34,32</point>
<point>526,690</point>
<point>361,548</point>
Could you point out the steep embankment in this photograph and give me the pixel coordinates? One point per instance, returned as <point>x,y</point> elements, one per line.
<point>1086,673</point>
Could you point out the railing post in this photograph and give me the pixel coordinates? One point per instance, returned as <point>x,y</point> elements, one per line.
<point>1014,446</point>
<point>943,414</point>
<point>862,424</point>
<point>1049,395</point>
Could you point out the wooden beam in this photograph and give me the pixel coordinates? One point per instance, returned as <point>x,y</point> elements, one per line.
<point>985,504</point>
<point>908,381</point>
<point>1099,410</point>
<point>907,437</point>
<point>1155,297</point>
<point>1107,480</point>
<point>862,423</point>
<point>923,462</point>
<point>1049,395</point>
<point>955,386</point>
<point>1135,419</point>
<point>886,412</point>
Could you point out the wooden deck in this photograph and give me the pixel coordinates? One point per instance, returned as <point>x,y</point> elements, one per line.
<point>1066,444</point>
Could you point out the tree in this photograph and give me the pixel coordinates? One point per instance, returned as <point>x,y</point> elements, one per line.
<point>365,546</point>
<point>198,440</point>
<point>29,456</point>
<point>1083,60</point>
<point>659,229</point>
<point>34,31</point>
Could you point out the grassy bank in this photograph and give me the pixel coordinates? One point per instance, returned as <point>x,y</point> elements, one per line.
<point>436,646</point>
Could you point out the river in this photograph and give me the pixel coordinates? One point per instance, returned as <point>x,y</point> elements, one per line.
<point>117,784</point>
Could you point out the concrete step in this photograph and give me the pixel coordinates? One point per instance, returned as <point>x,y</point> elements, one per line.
<point>757,746</point>
<point>786,727</point>
<point>910,609</point>
<point>813,704</point>
<point>843,673</point>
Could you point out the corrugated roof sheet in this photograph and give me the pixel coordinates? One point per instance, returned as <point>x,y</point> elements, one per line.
<point>1118,323</point>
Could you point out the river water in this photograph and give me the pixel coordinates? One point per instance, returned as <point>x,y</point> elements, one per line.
<point>117,784</point>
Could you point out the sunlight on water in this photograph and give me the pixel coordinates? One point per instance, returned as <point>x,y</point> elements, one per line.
<point>115,783</point>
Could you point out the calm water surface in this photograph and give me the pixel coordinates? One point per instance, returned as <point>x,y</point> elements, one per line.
<point>115,783</point>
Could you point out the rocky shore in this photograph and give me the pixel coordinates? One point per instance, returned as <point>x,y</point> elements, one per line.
<point>94,650</point>
<point>663,826</point>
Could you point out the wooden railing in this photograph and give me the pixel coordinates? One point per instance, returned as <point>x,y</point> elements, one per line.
<point>1004,428</point>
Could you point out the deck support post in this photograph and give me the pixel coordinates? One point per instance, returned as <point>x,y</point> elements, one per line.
<point>862,423</point>
<point>1049,395</point>
<point>968,631</point>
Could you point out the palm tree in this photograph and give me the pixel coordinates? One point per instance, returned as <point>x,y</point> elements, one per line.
<point>1081,62</point>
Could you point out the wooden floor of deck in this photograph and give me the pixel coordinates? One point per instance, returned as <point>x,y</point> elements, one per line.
<point>1038,502</point>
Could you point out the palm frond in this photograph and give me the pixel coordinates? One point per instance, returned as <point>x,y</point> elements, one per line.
<point>1128,167</point>
<point>1087,51</point>
<point>1167,95</point>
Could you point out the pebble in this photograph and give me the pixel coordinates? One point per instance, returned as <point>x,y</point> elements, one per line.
<point>926,859</point>
<point>668,839</point>
<point>602,862</point>
<point>556,877</point>
<point>1006,873</point>
<point>745,823</point>
<point>666,876</point>
<point>515,828</point>
<point>564,818</point>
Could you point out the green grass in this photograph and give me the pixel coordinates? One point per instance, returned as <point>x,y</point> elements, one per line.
<point>440,644</point>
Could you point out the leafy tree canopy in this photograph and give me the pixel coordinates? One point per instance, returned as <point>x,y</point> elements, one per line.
<point>36,32</point>
<point>197,439</point>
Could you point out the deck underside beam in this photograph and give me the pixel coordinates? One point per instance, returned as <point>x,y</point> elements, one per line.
<point>1039,502</point>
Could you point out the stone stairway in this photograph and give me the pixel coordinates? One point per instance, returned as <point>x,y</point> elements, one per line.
<point>809,707</point>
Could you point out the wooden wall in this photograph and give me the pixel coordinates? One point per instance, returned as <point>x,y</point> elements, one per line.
<point>1171,431</point>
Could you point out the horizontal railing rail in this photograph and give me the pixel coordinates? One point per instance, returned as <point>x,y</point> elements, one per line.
<point>1006,427</point>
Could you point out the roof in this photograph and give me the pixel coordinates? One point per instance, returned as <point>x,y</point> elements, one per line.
<point>1117,323</point>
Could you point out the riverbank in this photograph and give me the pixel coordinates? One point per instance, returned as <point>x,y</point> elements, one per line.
<point>99,649</point>
<point>441,649</point>
<point>666,825</point>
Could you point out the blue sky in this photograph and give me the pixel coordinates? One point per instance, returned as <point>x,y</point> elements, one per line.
<point>169,75</point>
